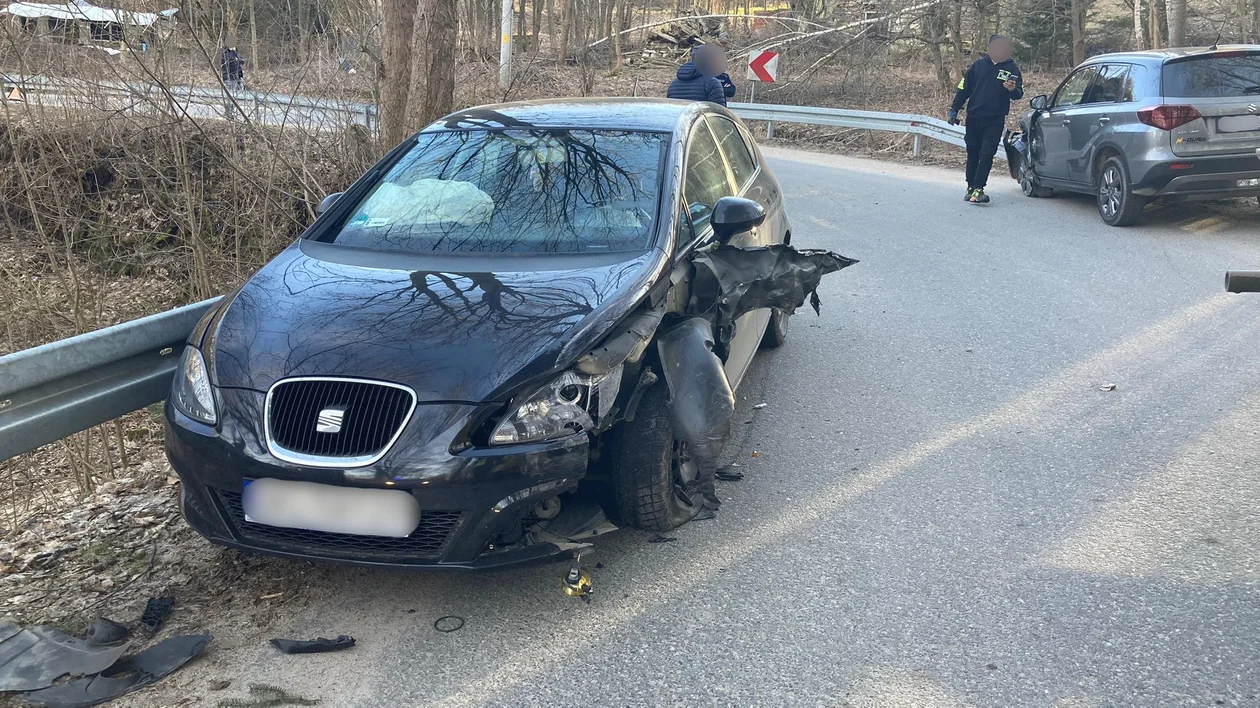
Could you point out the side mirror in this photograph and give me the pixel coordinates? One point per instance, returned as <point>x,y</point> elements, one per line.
<point>1040,103</point>
<point>734,215</point>
<point>327,203</point>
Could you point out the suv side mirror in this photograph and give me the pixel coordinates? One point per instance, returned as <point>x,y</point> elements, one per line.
<point>1040,103</point>
<point>327,203</point>
<point>734,215</point>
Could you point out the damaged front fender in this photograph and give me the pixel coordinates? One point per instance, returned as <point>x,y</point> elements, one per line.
<point>731,281</point>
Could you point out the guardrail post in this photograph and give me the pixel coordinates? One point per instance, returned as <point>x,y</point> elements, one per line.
<point>917,138</point>
<point>769,130</point>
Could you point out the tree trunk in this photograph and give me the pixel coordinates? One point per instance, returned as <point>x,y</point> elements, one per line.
<point>616,30</point>
<point>397,27</point>
<point>1255,20</point>
<point>1139,29</point>
<point>1176,23</point>
<point>537,26</point>
<point>566,21</point>
<point>551,23</point>
<point>432,91</point>
<point>521,32</point>
<point>253,37</point>
<point>955,33</point>
<point>1157,32</point>
<point>1080,9</point>
<point>936,29</point>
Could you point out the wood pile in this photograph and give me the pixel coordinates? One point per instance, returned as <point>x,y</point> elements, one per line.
<point>668,45</point>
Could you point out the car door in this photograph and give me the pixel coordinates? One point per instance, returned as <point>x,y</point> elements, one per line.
<point>743,170</point>
<point>1098,110</point>
<point>1056,124</point>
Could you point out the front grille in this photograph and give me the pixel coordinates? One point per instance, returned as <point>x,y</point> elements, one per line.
<point>339,419</point>
<point>427,542</point>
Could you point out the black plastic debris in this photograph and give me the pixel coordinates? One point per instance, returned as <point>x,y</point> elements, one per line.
<point>729,474</point>
<point>155,613</point>
<point>448,624</point>
<point>105,632</point>
<point>35,657</point>
<point>313,646</point>
<point>127,675</point>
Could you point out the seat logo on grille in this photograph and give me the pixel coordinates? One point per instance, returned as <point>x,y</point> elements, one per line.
<point>329,420</point>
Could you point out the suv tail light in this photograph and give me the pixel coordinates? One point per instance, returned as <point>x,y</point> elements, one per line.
<point>1168,117</point>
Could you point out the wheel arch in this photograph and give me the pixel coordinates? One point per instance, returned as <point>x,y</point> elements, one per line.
<point>1104,152</point>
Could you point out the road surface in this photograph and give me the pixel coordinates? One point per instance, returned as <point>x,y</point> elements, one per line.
<point>946,508</point>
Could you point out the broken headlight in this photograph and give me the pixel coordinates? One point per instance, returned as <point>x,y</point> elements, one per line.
<point>570,404</point>
<point>191,392</point>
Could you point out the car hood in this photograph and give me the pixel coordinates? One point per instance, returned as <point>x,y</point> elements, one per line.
<point>453,327</point>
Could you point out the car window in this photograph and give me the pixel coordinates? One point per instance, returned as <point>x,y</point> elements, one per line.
<point>1072,92</point>
<point>1110,85</point>
<point>735,149</point>
<point>1227,75</point>
<point>532,191</point>
<point>1139,83</point>
<point>706,179</point>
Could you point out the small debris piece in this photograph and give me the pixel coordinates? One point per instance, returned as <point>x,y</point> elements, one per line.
<point>448,624</point>
<point>35,657</point>
<point>599,566</point>
<point>219,684</point>
<point>663,539</point>
<point>759,406</point>
<point>729,474</point>
<point>313,646</point>
<point>756,454</point>
<point>105,632</point>
<point>1107,387</point>
<point>272,596</point>
<point>265,696</point>
<point>155,612</point>
<point>991,667</point>
<point>577,582</point>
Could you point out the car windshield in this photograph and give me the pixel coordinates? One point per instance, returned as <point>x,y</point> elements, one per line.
<point>524,191</point>
<point>1213,76</point>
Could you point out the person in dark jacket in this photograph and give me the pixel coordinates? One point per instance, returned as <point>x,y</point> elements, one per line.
<point>728,86</point>
<point>233,67</point>
<point>697,79</point>
<point>987,90</point>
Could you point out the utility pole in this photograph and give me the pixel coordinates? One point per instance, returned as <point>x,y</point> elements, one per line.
<point>505,47</point>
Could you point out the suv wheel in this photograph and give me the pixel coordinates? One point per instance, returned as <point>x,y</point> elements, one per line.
<point>1028,183</point>
<point>1116,204</point>
<point>649,466</point>
<point>777,330</point>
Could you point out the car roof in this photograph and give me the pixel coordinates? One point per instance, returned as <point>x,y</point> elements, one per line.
<point>646,114</point>
<point>1159,56</point>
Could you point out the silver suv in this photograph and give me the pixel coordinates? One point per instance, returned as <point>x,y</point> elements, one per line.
<point>1131,127</point>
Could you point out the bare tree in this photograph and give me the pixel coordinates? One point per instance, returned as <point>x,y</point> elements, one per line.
<point>1080,10</point>
<point>1176,23</point>
<point>418,41</point>
<point>1139,30</point>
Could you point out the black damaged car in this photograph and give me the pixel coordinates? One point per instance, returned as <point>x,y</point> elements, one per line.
<point>517,304</point>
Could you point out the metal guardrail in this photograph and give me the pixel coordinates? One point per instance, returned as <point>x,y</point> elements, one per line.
<point>51,391</point>
<point>57,389</point>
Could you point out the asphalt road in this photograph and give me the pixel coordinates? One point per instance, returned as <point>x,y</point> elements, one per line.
<point>945,508</point>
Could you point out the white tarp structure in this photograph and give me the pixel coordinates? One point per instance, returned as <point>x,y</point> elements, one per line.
<point>85,11</point>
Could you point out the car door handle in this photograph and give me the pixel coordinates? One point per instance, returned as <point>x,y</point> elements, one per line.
<point>1067,121</point>
<point>1104,120</point>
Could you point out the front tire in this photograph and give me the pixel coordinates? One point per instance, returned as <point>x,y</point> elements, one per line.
<point>1028,183</point>
<point>1117,204</point>
<point>649,464</point>
<point>776,330</point>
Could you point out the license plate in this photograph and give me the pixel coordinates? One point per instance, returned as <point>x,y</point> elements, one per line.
<point>1237,124</point>
<point>1249,183</point>
<point>324,507</point>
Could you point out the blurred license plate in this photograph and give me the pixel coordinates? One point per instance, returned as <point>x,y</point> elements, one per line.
<point>1237,124</point>
<point>1249,183</point>
<point>324,507</point>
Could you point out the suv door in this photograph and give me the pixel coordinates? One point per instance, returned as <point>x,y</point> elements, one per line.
<point>1098,113</point>
<point>1057,123</point>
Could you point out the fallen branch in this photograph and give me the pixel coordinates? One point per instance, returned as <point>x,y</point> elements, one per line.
<point>685,18</point>
<point>851,25</point>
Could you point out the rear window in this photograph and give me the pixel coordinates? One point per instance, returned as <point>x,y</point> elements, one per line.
<point>1213,76</point>
<point>520,191</point>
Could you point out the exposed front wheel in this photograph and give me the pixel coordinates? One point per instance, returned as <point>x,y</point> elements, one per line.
<point>1028,182</point>
<point>649,466</point>
<point>1117,205</point>
<point>777,330</point>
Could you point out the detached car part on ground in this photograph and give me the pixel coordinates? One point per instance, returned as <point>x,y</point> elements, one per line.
<point>1133,127</point>
<point>518,314</point>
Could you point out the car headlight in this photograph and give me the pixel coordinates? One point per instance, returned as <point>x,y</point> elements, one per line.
<point>570,404</point>
<point>191,391</point>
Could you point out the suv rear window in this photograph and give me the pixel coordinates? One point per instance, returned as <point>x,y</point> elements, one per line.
<point>1213,76</point>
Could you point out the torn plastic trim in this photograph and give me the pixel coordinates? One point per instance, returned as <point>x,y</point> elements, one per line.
<point>731,281</point>
<point>35,657</point>
<point>129,674</point>
<point>624,344</point>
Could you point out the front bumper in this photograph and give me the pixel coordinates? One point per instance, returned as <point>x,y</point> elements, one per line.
<point>459,529</point>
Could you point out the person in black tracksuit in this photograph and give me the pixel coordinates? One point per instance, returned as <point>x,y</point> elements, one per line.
<point>987,90</point>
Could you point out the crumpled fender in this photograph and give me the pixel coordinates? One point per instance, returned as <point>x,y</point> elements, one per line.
<point>731,281</point>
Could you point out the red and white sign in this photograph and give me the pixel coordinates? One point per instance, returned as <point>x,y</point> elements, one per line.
<point>763,66</point>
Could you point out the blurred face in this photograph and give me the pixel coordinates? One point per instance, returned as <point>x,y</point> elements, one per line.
<point>1000,50</point>
<point>711,61</point>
